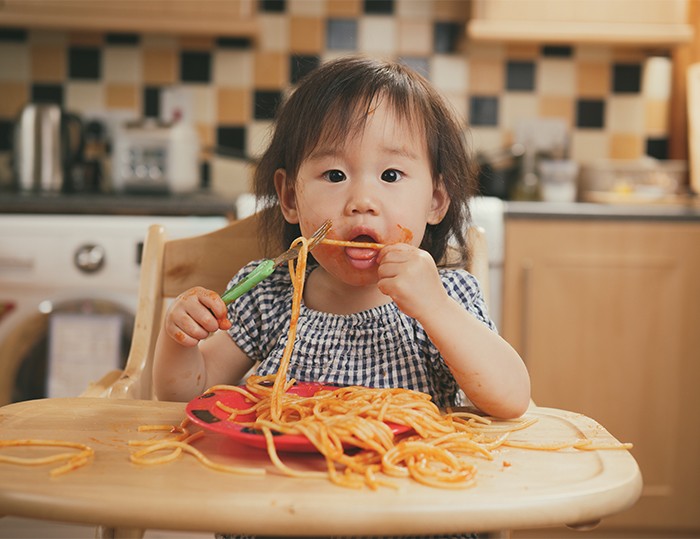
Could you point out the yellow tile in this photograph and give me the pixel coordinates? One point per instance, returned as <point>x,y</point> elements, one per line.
<point>557,107</point>
<point>486,77</point>
<point>14,96</point>
<point>344,8</point>
<point>159,66</point>
<point>121,96</point>
<point>306,35</point>
<point>48,63</point>
<point>593,79</point>
<point>233,106</point>
<point>271,70</point>
<point>415,37</point>
<point>656,117</point>
<point>626,146</point>
<point>86,38</point>
<point>206,139</point>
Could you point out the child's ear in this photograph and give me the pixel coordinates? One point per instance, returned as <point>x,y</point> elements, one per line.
<point>287,196</point>
<point>440,204</point>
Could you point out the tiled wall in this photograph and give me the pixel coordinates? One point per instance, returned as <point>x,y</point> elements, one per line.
<point>613,102</point>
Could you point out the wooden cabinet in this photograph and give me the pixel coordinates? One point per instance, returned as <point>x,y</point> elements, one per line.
<point>606,314</point>
<point>628,22</point>
<point>200,17</point>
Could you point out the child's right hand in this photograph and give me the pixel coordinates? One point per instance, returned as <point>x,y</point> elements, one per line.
<point>194,315</point>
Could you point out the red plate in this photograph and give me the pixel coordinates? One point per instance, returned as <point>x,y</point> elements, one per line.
<point>204,412</point>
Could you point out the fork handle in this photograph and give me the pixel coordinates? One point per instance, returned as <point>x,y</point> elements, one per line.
<point>260,273</point>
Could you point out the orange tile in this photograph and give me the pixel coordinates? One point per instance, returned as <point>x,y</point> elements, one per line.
<point>344,8</point>
<point>522,51</point>
<point>486,76</point>
<point>451,10</point>
<point>14,96</point>
<point>271,70</point>
<point>656,117</point>
<point>206,139</point>
<point>593,79</point>
<point>557,107</point>
<point>159,66</point>
<point>48,63</point>
<point>234,106</point>
<point>196,43</point>
<point>121,96</point>
<point>86,38</point>
<point>306,35</point>
<point>626,146</point>
<point>626,54</point>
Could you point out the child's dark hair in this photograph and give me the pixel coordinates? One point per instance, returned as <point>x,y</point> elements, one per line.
<point>333,102</point>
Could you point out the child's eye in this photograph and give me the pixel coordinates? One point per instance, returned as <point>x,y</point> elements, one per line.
<point>391,175</point>
<point>334,176</point>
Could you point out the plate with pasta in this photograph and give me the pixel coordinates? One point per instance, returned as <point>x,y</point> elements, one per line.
<point>239,411</point>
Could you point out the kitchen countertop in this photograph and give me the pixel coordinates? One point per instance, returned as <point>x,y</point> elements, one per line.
<point>201,203</point>
<point>688,210</point>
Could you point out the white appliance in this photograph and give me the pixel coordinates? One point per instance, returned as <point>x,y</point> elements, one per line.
<point>68,295</point>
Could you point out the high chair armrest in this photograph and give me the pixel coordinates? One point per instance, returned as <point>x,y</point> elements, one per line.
<point>101,387</point>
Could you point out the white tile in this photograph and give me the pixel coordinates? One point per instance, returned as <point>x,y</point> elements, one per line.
<point>624,114</point>
<point>589,145</point>
<point>259,134</point>
<point>274,33</point>
<point>457,102</point>
<point>657,77</point>
<point>485,138</point>
<point>233,68</point>
<point>414,9</point>
<point>122,64</point>
<point>449,73</point>
<point>516,107</point>
<point>203,103</point>
<point>377,34</point>
<point>556,77</point>
<point>84,96</point>
<point>14,62</point>
<point>306,8</point>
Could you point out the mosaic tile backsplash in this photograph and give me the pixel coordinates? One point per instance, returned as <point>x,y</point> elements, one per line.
<point>614,102</point>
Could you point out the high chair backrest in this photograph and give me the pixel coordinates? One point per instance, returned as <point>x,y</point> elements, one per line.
<point>169,267</point>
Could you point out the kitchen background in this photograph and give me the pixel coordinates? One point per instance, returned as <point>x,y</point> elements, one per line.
<point>613,101</point>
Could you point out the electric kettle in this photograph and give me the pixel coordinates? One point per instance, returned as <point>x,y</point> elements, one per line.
<point>47,143</point>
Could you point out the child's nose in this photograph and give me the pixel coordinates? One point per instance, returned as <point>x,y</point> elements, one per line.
<point>362,199</point>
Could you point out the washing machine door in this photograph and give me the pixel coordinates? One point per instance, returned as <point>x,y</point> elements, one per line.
<point>60,348</point>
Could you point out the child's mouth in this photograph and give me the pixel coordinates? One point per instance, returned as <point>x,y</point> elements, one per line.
<point>361,257</point>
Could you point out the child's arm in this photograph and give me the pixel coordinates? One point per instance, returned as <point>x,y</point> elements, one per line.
<point>485,366</point>
<point>188,359</point>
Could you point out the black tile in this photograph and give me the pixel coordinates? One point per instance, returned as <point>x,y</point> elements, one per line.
<point>151,102</point>
<point>379,7</point>
<point>204,174</point>
<point>84,63</point>
<point>421,65</point>
<point>195,66</point>
<point>47,93</point>
<point>122,39</point>
<point>231,137</point>
<point>520,75</point>
<point>13,34</point>
<point>341,34</point>
<point>233,42</point>
<point>560,51</point>
<point>483,110</point>
<point>266,103</point>
<point>300,65</point>
<point>272,6</point>
<point>590,113</point>
<point>657,148</point>
<point>446,36</point>
<point>627,78</point>
<point>6,128</point>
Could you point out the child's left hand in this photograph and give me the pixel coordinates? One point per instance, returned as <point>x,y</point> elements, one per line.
<point>409,276</point>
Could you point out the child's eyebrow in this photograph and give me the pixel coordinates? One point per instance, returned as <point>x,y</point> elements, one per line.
<point>400,151</point>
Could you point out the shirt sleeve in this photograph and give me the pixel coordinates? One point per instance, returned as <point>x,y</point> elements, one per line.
<point>463,287</point>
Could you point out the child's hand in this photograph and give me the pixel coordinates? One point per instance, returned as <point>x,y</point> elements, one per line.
<point>410,277</point>
<point>194,315</point>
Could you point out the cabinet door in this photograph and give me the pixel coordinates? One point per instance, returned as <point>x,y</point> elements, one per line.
<point>201,17</point>
<point>606,314</point>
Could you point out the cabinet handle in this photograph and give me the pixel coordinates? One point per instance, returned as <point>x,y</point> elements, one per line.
<point>527,268</point>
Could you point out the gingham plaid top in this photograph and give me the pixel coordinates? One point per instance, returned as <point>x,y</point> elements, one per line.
<point>381,347</point>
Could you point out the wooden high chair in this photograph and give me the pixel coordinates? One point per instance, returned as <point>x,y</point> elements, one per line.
<point>169,267</point>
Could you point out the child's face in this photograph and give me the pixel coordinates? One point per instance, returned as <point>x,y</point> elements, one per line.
<point>377,187</point>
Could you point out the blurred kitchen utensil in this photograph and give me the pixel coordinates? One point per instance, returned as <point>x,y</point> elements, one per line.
<point>558,180</point>
<point>48,141</point>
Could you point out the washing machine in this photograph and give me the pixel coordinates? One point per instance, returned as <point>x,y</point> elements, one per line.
<point>68,297</point>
